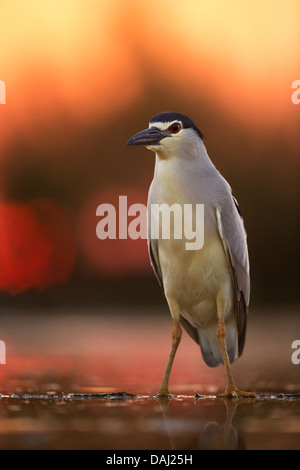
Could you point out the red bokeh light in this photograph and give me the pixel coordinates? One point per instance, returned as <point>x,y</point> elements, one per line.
<point>37,245</point>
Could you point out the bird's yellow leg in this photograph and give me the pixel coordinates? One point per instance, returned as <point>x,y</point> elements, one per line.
<point>176,337</point>
<point>231,390</point>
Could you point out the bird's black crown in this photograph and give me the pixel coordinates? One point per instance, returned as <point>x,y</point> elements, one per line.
<point>169,117</point>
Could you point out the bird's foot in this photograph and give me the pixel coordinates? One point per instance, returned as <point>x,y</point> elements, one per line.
<point>164,393</point>
<point>234,392</point>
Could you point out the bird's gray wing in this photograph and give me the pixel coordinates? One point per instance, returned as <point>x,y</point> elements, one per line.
<point>154,259</point>
<point>234,238</point>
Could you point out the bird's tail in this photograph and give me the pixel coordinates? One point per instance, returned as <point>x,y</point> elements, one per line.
<point>210,346</point>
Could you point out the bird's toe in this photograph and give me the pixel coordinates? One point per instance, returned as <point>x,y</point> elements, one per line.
<point>234,392</point>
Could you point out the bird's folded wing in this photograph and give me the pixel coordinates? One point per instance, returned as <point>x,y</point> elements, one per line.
<point>234,239</point>
<point>154,258</point>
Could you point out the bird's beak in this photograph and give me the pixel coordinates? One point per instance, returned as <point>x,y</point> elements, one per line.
<point>148,137</point>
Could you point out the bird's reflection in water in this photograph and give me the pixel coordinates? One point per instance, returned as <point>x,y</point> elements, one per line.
<point>221,437</point>
<point>212,435</point>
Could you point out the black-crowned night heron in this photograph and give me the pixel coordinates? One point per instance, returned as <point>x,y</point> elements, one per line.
<point>207,289</point>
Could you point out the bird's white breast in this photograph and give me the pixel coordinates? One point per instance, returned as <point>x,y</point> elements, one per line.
<point>191,278</point>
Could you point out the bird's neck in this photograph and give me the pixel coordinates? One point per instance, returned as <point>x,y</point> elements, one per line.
<point>178,178</point>
<point>188,160</point>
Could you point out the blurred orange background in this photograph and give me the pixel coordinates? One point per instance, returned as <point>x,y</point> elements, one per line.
<point>82,77</point>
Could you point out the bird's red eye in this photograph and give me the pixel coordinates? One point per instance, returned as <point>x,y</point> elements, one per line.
<point>174,128</point>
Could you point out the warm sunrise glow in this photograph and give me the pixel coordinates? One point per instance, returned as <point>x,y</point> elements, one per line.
<point>85,57</point>
<point>242,55</point>
<point>80,77</point>
<point>63,56</point>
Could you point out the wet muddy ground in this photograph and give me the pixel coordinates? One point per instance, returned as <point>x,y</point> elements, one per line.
<point>86,381</point>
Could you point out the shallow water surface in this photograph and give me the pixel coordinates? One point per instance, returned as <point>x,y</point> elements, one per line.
<point>62,381</point>
<point>121,421</point>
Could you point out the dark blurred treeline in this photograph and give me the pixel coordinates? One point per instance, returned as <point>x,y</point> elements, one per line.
<point>69,161</point>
